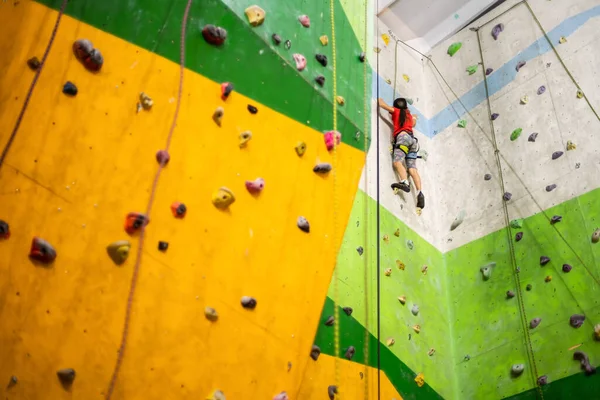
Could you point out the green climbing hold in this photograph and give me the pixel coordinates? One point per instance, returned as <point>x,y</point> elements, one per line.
<point>462,123</point>
<point>515,134</point>
<point>516,223</point>
<point>410,101</point>
<point>454,48</point>
<point>472,69</point>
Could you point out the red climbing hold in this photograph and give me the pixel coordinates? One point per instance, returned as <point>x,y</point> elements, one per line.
<point>135,221</point>
<point>90,57</point>
<point>42,251</point>
<point>178,209</point>
<point>256,186</point>
<point>332,137</point>
<point>4,230</point>
<point>162,157</point>
<point>214,34</point>
<point>226,89</point>
<point>304,20</point>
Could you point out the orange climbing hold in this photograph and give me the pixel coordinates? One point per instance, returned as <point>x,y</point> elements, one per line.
<point>135,221</point>
<point>178,209</point>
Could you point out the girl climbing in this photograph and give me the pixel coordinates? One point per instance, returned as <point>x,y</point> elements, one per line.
<point>405,146</point>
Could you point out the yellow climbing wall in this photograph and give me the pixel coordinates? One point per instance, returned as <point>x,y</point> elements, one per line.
<point>79,165</point>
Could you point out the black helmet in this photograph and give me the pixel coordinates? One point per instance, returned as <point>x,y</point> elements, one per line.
<point>400,103</point>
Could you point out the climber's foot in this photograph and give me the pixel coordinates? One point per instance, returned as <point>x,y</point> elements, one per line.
<point>401,186</point>
<point>420,200</point>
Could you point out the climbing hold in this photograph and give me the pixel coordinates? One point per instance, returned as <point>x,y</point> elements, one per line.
<point>541,90</point>
<point>528,287</point>
<point>517,369</point>
<point>462,123</point>
<point>322,59</point>
<point>400,265</point>
<point>410,102</point>
<point>4,230</point>
<point>532,137</point>
<point>315,352</point>
<point>300,61</point>
<point>458,220</point>
<point>135,221</point>
<point>146,101</point>
<point>42,251</point>
<point>276,39</point>
<point>519,236</point>
<point>12,382</point>
<point>571,145</point>
<point>348,310</point>
<point>585,362</point>
<point>388,271</point>
<point>248,302</point>
<point>226,89</point>
<point>495,116</point>
<point>70,89</point>
<point>340,100</point>
<point>119,251</point>
<point>557,154</point>
<point>360,250</point>
<point>562,40</point>
<point>402,300</point>
<point>544,260</point>
<point>304,20</point>
<point>178,209</point>
<point>488,71</point>
<point>211,314</point>
<point>332,137</point>
<point>596,236</point>
<point>386,238</point>
<point>255,15</point>
<point>454,48</point>
<point>431,352</point>
<point>496,30</point>
<point>467,357</point>
<point>510,294</point>
<point>567,268</point>
<point>386,38</point>
<point>472,69</point>
<point>85,53</point>
<point>320,79</point>
<point>223,198</point>
<point>390,342</point>
<point>332,391</point>
<point>162,157</point>
<point>487,177</point>
<point>516,223</point>
<point>420,379</point>
<point>244,138</point>
<point>66,376</point>
<point>486,270</point>
<point>216,395</point>
<point>214,34</point>
<point>362,57</point>
<point>256,186</point>
<point>410,244</point>
<point>507,196</point>
<point>515,134</point>
<point>350,352</point>
<point>406,78</point>
<point>548,279</point>
<point>520,65</point>
<point>303,224</point>
<point>525,99</point>
<point>550,188</point>
<point>324,40</point>
<point>542,380</point>
<point>252,109</point>
<point>300,148</point>
<point>555,219</point>
<point>218,115</point>
<point>534,323</point>
<point>597,332</point>
<point>281,396</point>
<point>34,63</point>
<point>415,309</point>
<point>577,320</point>
<point>163,246</point>
<point>579,94</point>
<point>330,321</point>
<point>288,44</point>
<point>397,232</point>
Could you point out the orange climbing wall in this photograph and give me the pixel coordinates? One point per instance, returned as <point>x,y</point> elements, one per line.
<point>79,165</point>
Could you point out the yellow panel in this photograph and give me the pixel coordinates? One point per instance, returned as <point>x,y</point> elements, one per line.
<point>79,165</point>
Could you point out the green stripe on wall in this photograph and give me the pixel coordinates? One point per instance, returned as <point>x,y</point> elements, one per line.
<point>248,58</point>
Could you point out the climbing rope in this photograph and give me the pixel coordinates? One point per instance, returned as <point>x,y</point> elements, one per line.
<point>36,77</point>
<point>378,228</point>
<point>153,189</point>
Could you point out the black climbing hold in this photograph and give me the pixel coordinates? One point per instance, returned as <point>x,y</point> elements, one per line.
<point>66,376</point>
<point>252,109</point>
<point>320,80</point>
<point>70,89</point>
<point>542,380</point>
<point>557,154</point>
<point>528,287</point>
<point>362,57</point>
<point>214,34</point>
<point>322,59</point>
<point>535,323</point>
<point>519,236</point>
<point>332,391</point>
<point>276,39</point>
<point>544,260</point>
<point>303,224</point>
<point>350,352</point>
<point>576,320</point>
<point>163,246</point>
<point>34,63</point>
<point>550,188</point>
<point>567,268</point>
<point>510,294</point>
<point>360,250</point>
<point>487,177</point>
<point>248,302</point>
<point>495,116</point>
<point>288,44</point>
<point>330,321</point>
<point>520,65</point>
<point>585,362</point>
<point>12,382</point>
<point>532,137</point>
<point>315,352</point>
<point>4,230</point>
<point>507,196</point>
<point>226,89</point>
<point>348,310</point>
<point>322,168</point>
<point>555,219</point>
<point>488,71</point>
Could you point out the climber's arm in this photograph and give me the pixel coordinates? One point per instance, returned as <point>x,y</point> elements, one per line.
<point>414,118</point>
<point>384,105</point>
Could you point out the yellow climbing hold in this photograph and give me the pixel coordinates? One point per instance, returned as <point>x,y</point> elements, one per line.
<point>406,78</point>
<point>402,300</point>
<point>256,15</point>
<point>424,269</point>
<point>324,40</point>
<point>571,146</point>
<point>340,100</point>
<point>300,148</point>
<point>562,40</point>
<point>390,342</point>
<point>597,332</point>
<point>223,198</point>
<point>431,351</point>
<point>388,271</point>
<point>420,379</point>
<point>525,99</point>
<point>245,138</point>
<point>376,49</point>
<point>397,233</point>
<point>146,101</point>
<point>388,81</point>
<point>386,238</point>
<point>386,38</point>
<point>119,251</point>
<point>400,265</point>
<point>548,278</point>
<point>579,94</point>
<point>417,328</point>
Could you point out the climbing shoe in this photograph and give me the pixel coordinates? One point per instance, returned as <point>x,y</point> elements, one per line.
<point>420,200</point>
<point>402,186</point>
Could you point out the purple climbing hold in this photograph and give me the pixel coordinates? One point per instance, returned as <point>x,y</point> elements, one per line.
<point>557,154</point>
<point>542,380</point>
<point>585,362</point>
<point>332,391</point>
<point>577,320</point>
<point>315,352</point>
<point>496,30</point>
<point>322,59</point>
<point>488,71</point>
<point>544,260</point>
<point>507,196</point>
<point>162,157</point>
<point>567,268</point>
<point>535,322</point>
<point>532,137</point>
<point>550,188</point>
<point>487,177</point>
<point>350,352</point>
<point>519,236</point>
<point>541,90</point>
<point>320,80</point>
<point>555,219</point>
<point>4,230</point>
<point>520,65</point>
<point>510,294</point>
<point>495,116</point>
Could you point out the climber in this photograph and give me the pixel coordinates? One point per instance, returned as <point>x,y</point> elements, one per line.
<point>406,147</point>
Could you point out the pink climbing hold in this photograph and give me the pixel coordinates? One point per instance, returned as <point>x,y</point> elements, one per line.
<point>256,186</point>
<point>331,137</point>
<point>281,396</point>
<point>300,61</point>
<point>304,20</point>
<point>162,157</point>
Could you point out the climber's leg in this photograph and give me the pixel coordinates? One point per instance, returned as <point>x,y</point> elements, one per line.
<point>398,159</point>
<point>414,174</point>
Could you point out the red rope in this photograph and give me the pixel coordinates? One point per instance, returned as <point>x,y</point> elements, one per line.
<point>138,259</point>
